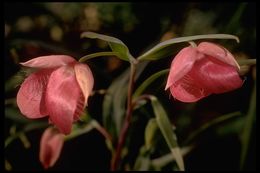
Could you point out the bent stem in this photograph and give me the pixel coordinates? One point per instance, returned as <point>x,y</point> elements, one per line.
<point>122,137</point>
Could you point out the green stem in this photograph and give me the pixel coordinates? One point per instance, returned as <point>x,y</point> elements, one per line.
<point>193,44</point>
<point>247,62</point>
<point>26,129</point>
<point>91,125</point>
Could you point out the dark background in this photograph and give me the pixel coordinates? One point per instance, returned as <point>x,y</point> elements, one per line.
<point>36,29</point>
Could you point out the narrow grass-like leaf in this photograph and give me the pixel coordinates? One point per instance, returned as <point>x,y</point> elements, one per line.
<point>27,128</point>
<point>211,123</point>
<point>80,131</point>
<point>143,161</point>
<point>167,131</point>
<point>98,54</point>
<point>148,81</point>
<point>115,101</point>
<point>164,160</point>
<point>246,133</point>
<point>14,114</point>
<point>150,132</point>
<point>166,48</point>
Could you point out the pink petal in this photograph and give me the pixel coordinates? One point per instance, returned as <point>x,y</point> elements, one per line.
<point>51,61</point>
<point>85,79</point>
<point>188,90</point>
<point>80,108</point>
<point>218,52</point>
<point>216,76</point>
<point>208,75</point>
<point>50,147</point>
<point>182,64</point>
<point>30,94</point>
<point>62,96</point>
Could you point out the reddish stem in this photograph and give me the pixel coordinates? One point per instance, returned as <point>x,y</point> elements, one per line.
<point>122,136</point>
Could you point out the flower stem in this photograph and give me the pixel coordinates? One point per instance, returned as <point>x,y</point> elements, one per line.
<point>122,137</point>
<point>247,62</point>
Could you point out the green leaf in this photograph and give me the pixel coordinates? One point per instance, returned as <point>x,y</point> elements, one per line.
<point>211,123</point>
<point>114,104</point>
<point>167,131</point>
<point>98,54</point>
<point>77,131</point>
<point>13,82</point>
<point>115,100</point>
<point>143,161</point>
<point>14,114</point>
<point>148,81</point>
<point>163,49</point>
<point>28,127</point>
<point>150,133</point>
<point>247,129</point>
<point>167,158</point>
<point>115,44</point>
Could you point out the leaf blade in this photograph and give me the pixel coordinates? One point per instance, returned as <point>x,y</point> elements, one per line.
<point>115,44</point>
<point>167,131</point>
<point>149,55</point>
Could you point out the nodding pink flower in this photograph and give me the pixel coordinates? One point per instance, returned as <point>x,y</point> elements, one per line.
<point>58,89</point>
<point>197,72</point>
<point>50,147</point>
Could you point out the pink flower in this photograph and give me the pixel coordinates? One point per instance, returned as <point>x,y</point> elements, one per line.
<point>50,147</point>
<point>197,72</point>
<point>58,89</point>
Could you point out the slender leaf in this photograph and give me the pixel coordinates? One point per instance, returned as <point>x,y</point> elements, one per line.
<point>115,99</point>
<point>150,132</point>
<point>98,54</point>
<point>148,81</point>
<point>246,133</point>
<point>167,131</point>
<point>143,161</point>
<point>166,48</point>
<point>13,82</point>
<point>27,128</point>
<point>164,160</point>
<point>77,131</point>
<point>14,114</point>
<point>115,44</point>
<point>211,123</point>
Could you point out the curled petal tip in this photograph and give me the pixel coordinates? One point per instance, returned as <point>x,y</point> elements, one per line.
<point>85,80</point>
<point>50,61</point>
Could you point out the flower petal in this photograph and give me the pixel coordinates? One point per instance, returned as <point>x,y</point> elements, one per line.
<point>182,64</point>
<point>30,95</point>
<point>62,96</point>
<point>79,108</point>
<point>85,79</point>
<point>218,52</point>
<point>216,76</point>
<point>188,90</point>
<point>50,147</point>
<point>51,61</point>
